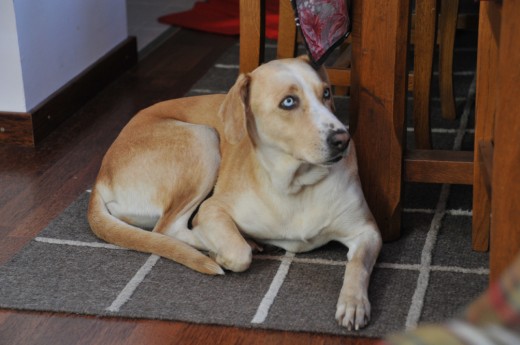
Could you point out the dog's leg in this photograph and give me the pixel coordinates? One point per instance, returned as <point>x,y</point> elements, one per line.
<point>174,222</point>
<point>218,232</point>
<point>353,308</point>
<point>177,226</point>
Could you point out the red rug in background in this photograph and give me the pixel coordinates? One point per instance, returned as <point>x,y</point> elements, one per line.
<point>221,17</point>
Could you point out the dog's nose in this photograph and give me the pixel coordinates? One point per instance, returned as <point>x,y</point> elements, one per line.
<point>338,141</point>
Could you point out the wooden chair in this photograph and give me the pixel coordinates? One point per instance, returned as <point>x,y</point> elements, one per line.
<point>384,164</point>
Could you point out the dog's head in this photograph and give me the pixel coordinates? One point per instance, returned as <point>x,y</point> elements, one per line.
<point>287,105</point>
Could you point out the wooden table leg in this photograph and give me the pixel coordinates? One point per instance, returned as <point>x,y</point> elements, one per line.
<point>378,105</point>
<point>252,34</point>
<point>505,203</point>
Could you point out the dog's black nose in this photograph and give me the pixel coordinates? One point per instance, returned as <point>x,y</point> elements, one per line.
<point>338,142</point>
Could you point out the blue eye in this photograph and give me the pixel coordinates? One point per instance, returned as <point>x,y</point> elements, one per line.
<point>326,93</point>
<point>289,102</point>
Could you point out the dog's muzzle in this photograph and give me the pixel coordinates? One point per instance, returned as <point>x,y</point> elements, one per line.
<point>337,142</point>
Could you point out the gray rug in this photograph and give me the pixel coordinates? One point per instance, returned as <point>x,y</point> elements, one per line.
<point>428,275</point>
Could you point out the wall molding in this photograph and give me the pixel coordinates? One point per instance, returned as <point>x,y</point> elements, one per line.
<point>30,128</point>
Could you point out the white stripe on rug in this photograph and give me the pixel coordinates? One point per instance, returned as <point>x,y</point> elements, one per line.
<point>437,268</point>
<point>311,261</point>
<point>451,212</point>
<point>226,66</point>
<point>132,285</point>
<point>276,284</point>
<point>383,265</point>
<point>442,130</point>
<point>77,243</point>
<point>481,270</point>
<point>417,304</point>
<point>414,313</point>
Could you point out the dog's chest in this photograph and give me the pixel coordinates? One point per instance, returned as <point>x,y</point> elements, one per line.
<point>275,217</point>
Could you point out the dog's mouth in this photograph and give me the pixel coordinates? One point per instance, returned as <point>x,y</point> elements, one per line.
<point>334,160</point>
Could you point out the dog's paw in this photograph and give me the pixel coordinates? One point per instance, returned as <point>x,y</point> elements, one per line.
<point>353,312</point>
<point>236,261</point>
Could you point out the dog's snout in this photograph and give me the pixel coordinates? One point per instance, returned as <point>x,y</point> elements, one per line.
<point>338,141</point>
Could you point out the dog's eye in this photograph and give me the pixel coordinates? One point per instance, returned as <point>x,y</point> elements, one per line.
<point>289,102</point>
<point>326,93</point>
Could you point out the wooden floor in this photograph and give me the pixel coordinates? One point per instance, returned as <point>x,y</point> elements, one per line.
<point>37,184</point>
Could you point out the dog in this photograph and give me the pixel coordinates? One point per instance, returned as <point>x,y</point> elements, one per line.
<point>266,163</point>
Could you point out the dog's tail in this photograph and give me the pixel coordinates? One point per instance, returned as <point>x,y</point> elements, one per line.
<point>113,230</point>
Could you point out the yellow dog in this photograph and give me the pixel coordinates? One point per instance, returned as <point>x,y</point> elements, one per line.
<point>281,166</point>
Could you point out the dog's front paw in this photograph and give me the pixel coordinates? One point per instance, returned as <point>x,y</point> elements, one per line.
<point>353,312</point>
<point>236,261</point>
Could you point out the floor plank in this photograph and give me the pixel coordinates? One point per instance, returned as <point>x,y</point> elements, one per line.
<point>36,185</point>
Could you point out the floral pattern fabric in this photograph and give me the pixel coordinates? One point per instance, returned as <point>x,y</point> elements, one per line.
<point>324,24</point>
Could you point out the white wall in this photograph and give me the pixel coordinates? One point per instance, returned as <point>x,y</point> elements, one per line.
<point>12,96</point>
<point>57,40</point>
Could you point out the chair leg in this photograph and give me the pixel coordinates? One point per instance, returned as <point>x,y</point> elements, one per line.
<point>485,107</point>
<point>447,29</point>
<point>424,45</point>
<point>286,31</point>
<point>252,34</point>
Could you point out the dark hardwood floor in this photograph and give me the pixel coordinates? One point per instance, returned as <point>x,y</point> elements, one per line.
<point>36,185</point>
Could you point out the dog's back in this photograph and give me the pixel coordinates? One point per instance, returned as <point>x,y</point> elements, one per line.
<point>141,183</point>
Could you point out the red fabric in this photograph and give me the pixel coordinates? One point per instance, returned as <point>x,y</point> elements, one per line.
<point>221,17</point>
<point>324,24</point>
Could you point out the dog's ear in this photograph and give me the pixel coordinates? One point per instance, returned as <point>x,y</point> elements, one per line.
<point>232,112</point>
<point>305,58</point>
